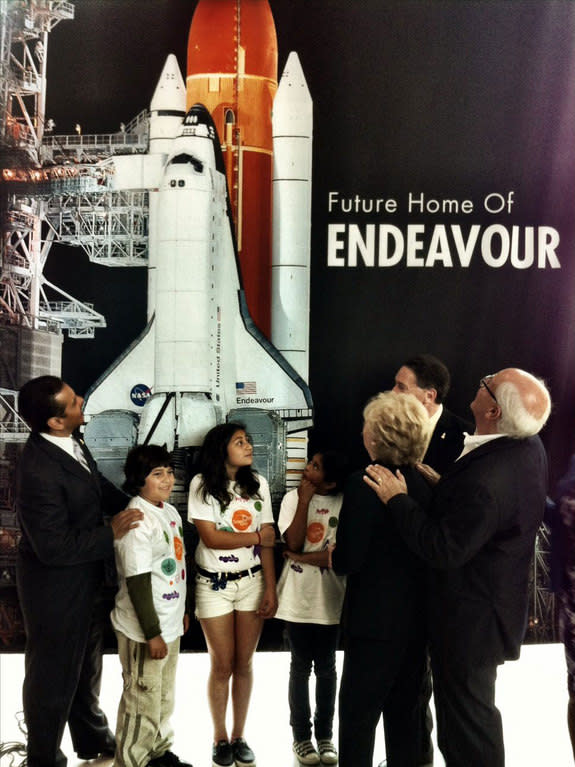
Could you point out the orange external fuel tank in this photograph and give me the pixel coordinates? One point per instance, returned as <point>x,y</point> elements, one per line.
<point>232,70</point>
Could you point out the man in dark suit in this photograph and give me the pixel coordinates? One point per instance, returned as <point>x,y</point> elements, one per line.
<point>60,571</point>
<point>478,539</point>
<point>428,379</point>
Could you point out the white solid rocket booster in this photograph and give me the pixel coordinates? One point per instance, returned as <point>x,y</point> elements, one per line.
<point>292,128</point>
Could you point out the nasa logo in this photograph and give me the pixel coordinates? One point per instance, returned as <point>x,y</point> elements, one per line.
<point>139,394</point>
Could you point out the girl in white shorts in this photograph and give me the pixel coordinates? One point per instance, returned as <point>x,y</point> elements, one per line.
<point>230,505</point>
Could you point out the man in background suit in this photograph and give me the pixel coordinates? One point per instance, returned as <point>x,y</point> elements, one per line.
<point>60,571</point>
<point>428,380</point>
<point>478,539</point>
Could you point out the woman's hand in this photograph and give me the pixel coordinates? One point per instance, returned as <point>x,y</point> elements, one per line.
<point>269,604</point>
<point>385,484</point>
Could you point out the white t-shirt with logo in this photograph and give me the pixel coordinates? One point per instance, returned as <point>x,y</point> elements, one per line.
<point>156,546</point>
<point>242,515</point>
<point>307,593</point>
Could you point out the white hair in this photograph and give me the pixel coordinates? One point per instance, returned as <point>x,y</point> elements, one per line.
<point>516,420</point>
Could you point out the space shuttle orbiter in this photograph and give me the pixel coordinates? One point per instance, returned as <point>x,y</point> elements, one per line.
<point>200,355</point>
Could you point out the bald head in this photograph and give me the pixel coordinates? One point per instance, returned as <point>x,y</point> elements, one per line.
<point>524,402</point>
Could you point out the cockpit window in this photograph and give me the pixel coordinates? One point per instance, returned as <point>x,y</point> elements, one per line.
<point>188,159</point>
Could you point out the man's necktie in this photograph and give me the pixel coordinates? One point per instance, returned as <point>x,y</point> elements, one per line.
<point>79,455</point>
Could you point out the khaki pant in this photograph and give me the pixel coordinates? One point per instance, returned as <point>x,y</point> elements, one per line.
<point>143,731</point>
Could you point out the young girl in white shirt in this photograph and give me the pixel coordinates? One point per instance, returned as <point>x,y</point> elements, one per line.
<point>230,505</point>
<point>310,601</point>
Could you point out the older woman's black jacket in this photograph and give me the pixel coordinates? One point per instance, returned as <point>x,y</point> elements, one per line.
<point>385,595</point>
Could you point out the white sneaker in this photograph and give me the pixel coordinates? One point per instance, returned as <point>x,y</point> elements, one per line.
<point>327,752</point>
<point>305,752</point>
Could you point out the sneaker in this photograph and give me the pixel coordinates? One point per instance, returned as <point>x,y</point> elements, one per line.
<point>305,752</point>
<point>168,759</point>
<point>327,751</point>
<point>243,755</point>
<point>222,755</point>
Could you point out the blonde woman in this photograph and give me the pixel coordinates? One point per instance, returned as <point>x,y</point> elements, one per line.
<point>384,608</point>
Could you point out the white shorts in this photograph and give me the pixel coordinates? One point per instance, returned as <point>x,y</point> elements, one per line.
<point>243,595</point>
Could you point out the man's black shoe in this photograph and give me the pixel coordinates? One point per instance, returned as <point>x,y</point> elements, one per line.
<point>87,756</point>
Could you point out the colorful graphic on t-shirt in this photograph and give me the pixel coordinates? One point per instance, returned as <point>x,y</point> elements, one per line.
<point>178,548</point>
<point>169,566</point>
<point>241,520</point>
<point>315,532</point>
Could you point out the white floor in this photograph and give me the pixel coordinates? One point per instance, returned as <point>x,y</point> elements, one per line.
<point>530,694</point>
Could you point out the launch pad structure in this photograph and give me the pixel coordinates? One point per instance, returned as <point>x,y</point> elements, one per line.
<point>52,189</point>
<point>59,189</point>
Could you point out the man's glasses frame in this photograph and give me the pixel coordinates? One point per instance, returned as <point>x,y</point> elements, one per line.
<point>484,383</point>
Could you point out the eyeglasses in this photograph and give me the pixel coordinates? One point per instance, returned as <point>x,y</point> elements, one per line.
<point>483,383</point>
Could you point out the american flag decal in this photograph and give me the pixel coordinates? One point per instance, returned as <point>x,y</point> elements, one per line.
<point>244,388</point>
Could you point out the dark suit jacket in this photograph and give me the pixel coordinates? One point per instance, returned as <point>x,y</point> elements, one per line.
<point>479,538</point>
<point>446,441</point>
<point>385,581</point>
<point>64,542</point>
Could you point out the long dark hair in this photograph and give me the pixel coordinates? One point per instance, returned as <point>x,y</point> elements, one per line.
<point>212,465</point>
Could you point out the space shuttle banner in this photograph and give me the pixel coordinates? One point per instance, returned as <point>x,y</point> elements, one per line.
<point>433,146</point>
<point>311,193</point>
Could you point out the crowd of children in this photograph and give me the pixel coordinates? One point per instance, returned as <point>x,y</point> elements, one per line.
<point>235,591</point>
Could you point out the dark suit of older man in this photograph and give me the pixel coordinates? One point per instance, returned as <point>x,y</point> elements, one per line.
<point>478,538</point>
<point>479,541</point>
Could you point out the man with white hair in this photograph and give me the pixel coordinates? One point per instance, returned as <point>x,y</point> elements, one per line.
<point>478,539</point>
